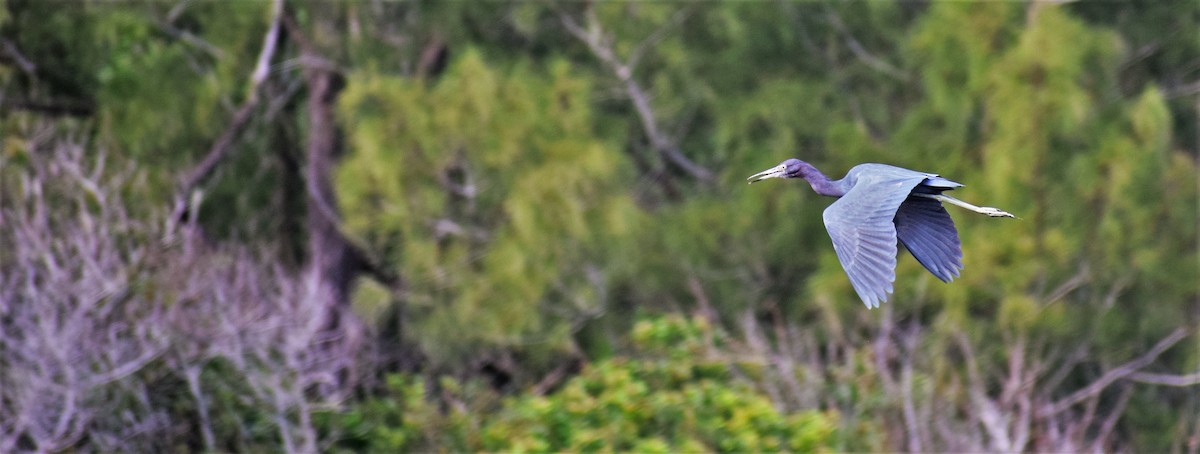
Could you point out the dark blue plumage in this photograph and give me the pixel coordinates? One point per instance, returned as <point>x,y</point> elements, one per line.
<point>879,205</point>
<point>924,228</point>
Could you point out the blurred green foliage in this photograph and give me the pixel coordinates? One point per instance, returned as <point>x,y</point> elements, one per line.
<point>486,187</point>
<point>494,162</point>
<point>663,397</point>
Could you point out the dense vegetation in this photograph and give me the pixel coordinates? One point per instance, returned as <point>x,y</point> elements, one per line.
<point>523,226</point>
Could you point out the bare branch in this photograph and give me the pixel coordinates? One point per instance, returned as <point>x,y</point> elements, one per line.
<point>1110,422</point>
<point>191,39</point>
<point>1182,90</point>
<point>861,52</point>
<point>269,43</point>
<point>1166,379</point>
<point>58,107</point>
<point>126,368</point>
<point>241,118</point>
<point>10,49</point>
<point>1110,298</point>
<point>432,56</point>
<point>1065,365</point>
<point>67,325</point>
<point>915,440</point>
<point>1123,371</point>
<point>557,376</point>
<point>656,36</point>
<point>192,374</point>
<point>79,330</point>
<point>344,257</point>
<point>696,288</point>
<point>602,48</point>
<point>1083,276</point>
<point>990,416</point>
<point>884,348</point>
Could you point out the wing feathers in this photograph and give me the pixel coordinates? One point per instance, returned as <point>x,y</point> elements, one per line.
<point>924,227</point>
<point>864,234</point>
<point>930,254</point>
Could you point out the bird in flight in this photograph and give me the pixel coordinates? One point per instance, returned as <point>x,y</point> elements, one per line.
<point>877,205</point>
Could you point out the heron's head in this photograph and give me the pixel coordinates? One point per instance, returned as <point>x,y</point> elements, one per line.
<point>791,168</point>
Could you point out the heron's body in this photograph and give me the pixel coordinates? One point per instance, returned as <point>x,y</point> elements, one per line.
<point>879,206</point>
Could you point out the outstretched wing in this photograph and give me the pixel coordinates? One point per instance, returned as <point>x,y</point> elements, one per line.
<point>925,228</point>
<point>864,236</point>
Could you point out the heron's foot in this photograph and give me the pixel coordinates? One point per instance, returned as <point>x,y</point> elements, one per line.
<point>995,212</point>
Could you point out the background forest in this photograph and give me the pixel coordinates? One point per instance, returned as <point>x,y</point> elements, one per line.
<point>457,226</point>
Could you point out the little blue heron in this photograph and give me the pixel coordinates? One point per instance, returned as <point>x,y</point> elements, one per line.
<point>877,205</point>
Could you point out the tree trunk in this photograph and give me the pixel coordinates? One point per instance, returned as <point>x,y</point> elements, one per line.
<point>332,261</point>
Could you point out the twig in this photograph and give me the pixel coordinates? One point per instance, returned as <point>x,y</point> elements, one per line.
<point>192,374</point>
<point>882,346</point>
<point>655,37</point>
<point>557,376</point>
<point>861,52</point>
<point>1074,282</point>
<point>1166,379</point>
<point>431,56</point>
<point>1110,422</point>
<point>67,107</point>
<point>191,39</point>
<point>989,415</point>
<point>125,369</point>
<point>27,66</point>
<point>1115,291</point>
<point>1065,365</point>
<point>702,300</point>
<point>1179,91</point>
<point>915,440</point>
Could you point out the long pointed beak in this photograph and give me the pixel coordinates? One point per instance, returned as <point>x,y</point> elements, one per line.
<point>774,172</point>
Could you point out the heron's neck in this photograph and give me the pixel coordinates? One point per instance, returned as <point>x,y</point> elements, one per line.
<point>821,183</point>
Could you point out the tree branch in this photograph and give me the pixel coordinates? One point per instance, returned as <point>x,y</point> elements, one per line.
<point>224,144</point>
<point>66,108</point>
<point>655,37</point>
<point>1114,415</point>
<point>1123,371</point>
<point>990,416</point>
<point>1166,379</point>
<point>916,440</point>
<point>191,39</point>
<point>1182,90</point>
<point>593,36</point>
<point>10,49</point>
<point>861,52</point>
<point>1074,282</point>
<point>333,255</point>
<point>560,374</point>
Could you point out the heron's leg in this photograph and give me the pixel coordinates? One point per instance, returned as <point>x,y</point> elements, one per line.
<point>990,211</point>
